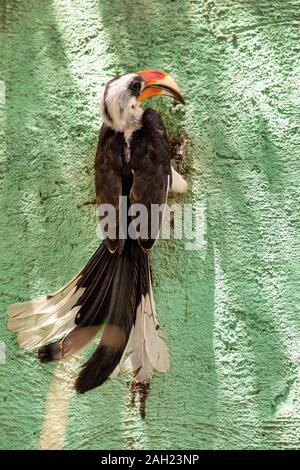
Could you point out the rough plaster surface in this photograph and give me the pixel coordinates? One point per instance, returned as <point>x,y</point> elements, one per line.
<point>230,310</point>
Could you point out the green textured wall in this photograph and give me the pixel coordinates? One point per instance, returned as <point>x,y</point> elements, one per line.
<point>230,310</point>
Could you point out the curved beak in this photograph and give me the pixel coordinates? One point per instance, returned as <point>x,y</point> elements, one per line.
<point>159,83</point>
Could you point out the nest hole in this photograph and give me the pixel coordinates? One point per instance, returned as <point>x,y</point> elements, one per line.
<point>179,146</point>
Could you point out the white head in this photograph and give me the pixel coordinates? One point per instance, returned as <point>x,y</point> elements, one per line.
<point>120,101</point>
<point>119,104</point>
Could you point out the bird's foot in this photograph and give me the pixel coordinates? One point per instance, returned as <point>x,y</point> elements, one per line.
<point>142,390</point>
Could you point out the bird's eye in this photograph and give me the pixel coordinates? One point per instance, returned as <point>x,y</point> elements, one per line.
<point>135,87</point>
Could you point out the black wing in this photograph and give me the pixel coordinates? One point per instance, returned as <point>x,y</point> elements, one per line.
<point>109,176</point>
<point>150,158</point>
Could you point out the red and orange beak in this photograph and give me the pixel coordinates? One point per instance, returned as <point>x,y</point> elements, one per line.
<point>159,83</point>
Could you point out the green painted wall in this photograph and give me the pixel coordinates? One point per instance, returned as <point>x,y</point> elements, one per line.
<point>230,310</point>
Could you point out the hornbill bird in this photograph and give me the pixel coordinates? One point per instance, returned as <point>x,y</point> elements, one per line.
<point>113,291</point>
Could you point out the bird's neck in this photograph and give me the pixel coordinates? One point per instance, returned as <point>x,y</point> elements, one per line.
<point>125,120</point>
<point>131,122</point>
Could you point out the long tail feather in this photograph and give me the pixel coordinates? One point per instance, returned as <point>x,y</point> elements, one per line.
<point>45,316</point>
<point>120,319</point>
<point>72,343</point>
<point>23,309</point>
<point>53,317</point>
<point>112,291</point>
<point>37,338</point>
<point>149,351</point>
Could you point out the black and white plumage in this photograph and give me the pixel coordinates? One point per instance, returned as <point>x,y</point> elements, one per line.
<point>113,292</point>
